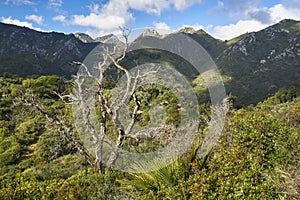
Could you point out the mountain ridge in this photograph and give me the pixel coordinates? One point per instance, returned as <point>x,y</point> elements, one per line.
<point>255,64</point>
<point>263,61</point>
<point>24,51</point>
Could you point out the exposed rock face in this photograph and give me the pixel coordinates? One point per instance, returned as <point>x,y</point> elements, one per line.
<point>150,32</point>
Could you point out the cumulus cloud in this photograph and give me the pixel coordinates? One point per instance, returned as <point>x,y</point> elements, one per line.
<point>105,22</point>
<point>10,20</point>
<point>111,16</point>
<point>59,18</point>
<point>115,13</point>
<point>233,30</point>
<point>280,12</point>
<point>256,19</point>
<point>17,22</point>
<point>19,2</point>
<point>37,19</point>
<point>162,27</point>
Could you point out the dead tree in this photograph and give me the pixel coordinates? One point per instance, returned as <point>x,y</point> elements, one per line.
<point>112,56</point>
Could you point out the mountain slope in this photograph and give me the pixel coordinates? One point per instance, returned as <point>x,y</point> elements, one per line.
<point>25,52</point>
<point>260,63</point>
<point>213,46</point>
<point>255,65</point>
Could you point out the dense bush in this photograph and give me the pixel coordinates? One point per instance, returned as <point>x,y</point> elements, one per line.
<point>53,144</point>
<point>256,158</point>
<point>10,150</point>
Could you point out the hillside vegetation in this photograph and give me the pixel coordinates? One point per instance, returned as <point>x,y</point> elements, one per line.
<point>257,156</point>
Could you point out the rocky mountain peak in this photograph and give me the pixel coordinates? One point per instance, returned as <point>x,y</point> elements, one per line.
<point>189,30</point>
<point>151,33</point>
<point>84,37</point>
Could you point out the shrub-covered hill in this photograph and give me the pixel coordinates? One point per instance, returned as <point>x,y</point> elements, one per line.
<point>256,158</point>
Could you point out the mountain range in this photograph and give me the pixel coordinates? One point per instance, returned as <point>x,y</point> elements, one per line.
<point>24,51</point>
<point>254,65</point>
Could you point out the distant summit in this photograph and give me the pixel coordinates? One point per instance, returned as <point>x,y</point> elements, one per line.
<point>84,37</point>
<point>189,30</point>
<point>151,33</point>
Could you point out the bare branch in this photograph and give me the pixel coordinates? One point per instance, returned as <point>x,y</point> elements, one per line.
<point>148,133</point>
<point>67,131</point>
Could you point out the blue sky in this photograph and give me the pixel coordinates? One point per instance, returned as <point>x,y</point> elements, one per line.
<point>223,19</point>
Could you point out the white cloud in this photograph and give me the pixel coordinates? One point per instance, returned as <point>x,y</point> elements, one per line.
<point>233,30</point>
<point>17,22</point>
<point>59,18</point>
<point>55,3</point>
<point>37,19</point>
<point>264,17</point>
<point>19,2</point>
<point>102,21</point>
<point>162,28</point>
<point>116,13</point>
<point>111,16</point>
<point>280,12</point>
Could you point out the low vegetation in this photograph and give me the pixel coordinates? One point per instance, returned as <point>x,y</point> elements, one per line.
<point>257,156</point>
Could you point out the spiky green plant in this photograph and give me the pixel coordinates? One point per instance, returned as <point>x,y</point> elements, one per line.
<point>166,176</point>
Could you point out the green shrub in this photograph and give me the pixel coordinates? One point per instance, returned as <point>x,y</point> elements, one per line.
<point>9,151</point>
<point>90,185</point>
<point>52,144</point>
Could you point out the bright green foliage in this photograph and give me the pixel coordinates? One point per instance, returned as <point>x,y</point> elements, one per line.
<point>90,185</point>
<point>284,95</point>
<point>256,158</point>
<point>28,131</point>
<point>9,150</point>
<point>52,145</point>
<point>256,143</point>
<point>151,96</point>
